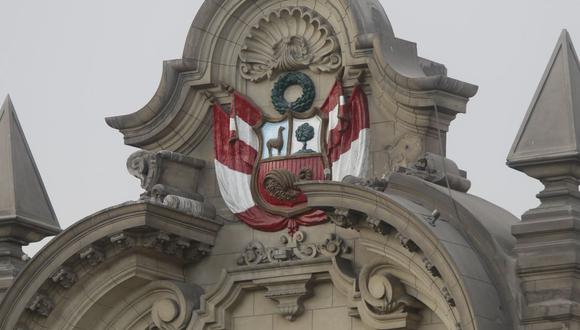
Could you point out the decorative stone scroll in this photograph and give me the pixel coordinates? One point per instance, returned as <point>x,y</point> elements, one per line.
<point>289,39</point>
<point>174,308</point>
<point>293,248</point>
<point>385,303</point>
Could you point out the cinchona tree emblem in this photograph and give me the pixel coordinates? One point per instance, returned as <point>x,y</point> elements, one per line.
<point>305,133</point>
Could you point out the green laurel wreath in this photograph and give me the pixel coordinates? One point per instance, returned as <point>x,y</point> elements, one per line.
<point>304,103</point>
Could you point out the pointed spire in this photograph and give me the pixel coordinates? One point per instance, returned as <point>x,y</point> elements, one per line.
<point>547,146</point>
<point>22,193</point>
<point>26,214</point>
<point>551,128</point>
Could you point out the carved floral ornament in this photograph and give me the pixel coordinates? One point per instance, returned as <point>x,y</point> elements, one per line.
<point>289,39</point>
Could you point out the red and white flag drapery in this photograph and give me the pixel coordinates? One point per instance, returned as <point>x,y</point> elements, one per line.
<point>236,151</point>
<point>348,136</point>
<point>236,148</point>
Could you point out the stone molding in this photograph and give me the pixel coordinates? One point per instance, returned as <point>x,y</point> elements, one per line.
<point>289,292</point>
<point>100,242</point>
<point>272,46</point>
<point>379,294</point>
<point>440,264</point>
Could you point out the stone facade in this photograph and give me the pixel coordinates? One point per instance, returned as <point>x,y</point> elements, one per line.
<point>395,243</point>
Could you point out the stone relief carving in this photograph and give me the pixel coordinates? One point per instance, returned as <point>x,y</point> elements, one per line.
<point>448,297</point>
<point>173,245</point>
<point>280,184</point>
<point>407,243</point>
<point>293,248</point>
<point>375,183</point>
<point>41,305</point>
<point>92,255</point>
<point>122,240</point>
<point>350,219</point>
<point>439,170</point>
<point>289,39</point>
<point>170,179</point>
<point>431,268</point>
<point>65,277</point>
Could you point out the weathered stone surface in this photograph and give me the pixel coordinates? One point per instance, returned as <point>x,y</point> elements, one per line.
<point>26,214</point>
<point>405,250</point>
<point>549,129</point>
<point>23,198</point>
<point>547,148</point>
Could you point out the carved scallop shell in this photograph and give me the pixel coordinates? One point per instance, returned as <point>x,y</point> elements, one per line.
<point>289,39</point>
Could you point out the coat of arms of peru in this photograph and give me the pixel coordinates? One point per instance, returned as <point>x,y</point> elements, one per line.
<point>260,157</point>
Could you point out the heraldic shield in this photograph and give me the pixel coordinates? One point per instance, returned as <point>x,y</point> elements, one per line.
<point>260,157</point>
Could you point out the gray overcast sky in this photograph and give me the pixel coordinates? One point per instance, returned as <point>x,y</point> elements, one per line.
<point>68,64</point>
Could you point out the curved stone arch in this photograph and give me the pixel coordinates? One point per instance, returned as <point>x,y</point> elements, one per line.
<point>476,298</point>
<point>133,244</point>
<point>123,292</point>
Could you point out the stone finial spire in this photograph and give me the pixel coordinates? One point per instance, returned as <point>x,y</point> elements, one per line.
<point>547,148</point>
<point>26,214</point>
